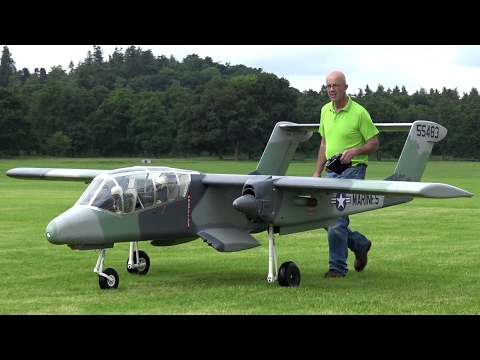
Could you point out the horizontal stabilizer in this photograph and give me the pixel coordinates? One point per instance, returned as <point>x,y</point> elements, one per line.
<point>382,127</point>
<point>228,239</point>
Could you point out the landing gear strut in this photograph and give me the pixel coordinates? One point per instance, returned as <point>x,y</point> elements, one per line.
<point>108,278</point>
<point>138,263</point>
<point>140,266</point>
<point>289,273</point>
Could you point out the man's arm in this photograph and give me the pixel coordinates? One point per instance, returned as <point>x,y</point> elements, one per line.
<point>368,148</point>
<point>320,159</point>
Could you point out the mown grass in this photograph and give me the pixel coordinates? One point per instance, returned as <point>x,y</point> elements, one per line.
<point>425,257</point>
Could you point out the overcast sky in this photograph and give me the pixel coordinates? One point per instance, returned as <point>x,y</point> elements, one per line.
<point>305,66</point>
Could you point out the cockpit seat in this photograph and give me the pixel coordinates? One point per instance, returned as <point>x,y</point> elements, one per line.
<point>130,196</point>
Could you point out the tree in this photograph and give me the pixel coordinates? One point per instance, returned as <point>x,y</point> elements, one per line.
<point>310,104</point>
<point>276,98</point>
<point>111,124</point>
<point>57,73</point>
<point>224,117</point>
<point>58,144</point>
<point>23,75</point>
<point>152,131</point>
<point>17,132</point>
<point>7,67</point>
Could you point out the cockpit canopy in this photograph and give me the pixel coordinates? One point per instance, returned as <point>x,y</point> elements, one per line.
<point>136,188</point>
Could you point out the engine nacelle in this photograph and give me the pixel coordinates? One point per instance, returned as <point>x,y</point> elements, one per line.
<point>257,201</point>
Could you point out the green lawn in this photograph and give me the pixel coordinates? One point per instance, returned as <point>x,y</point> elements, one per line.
<point>425,257</point>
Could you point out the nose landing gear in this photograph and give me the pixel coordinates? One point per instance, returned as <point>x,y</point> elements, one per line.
<point>138,263</point>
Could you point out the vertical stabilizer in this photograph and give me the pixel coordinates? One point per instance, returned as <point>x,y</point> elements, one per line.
<point>280,149</point>
<point>417,149</point>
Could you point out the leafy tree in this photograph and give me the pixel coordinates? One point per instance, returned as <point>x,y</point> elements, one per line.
<point>138,103</point>
<point>382,109</point>
<point>93,71</point>
<point>42,76</point>
<point>44,110</point>
<point>139,62</point>
<point>111,123</point>
<point>7,67</point>
<point>308,110</point>
<point>275,97</point>
<point>176,100</point>
<point>464,140</point>
<point>446,112</point>
<point>16,135</point>
<point>152,131</point>
<point>57,73</point>
<point>400,98</point>
<point>76,105</point>
<point>224,117</point>
<point>23,75</point>
<point>58,144</point>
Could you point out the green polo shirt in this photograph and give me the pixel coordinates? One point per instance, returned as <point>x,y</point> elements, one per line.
<point>349,128</point>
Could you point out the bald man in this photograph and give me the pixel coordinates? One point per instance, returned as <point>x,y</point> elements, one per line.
<point>347,128</point>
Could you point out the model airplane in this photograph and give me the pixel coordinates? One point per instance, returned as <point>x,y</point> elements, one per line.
<point>169,206</point>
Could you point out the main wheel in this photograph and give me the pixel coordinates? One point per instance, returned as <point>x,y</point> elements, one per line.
<point>144,263</point>
<point>289,274</point>
<point>108,283</point>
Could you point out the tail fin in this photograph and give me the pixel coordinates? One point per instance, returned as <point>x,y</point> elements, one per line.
<point>281,147</point>
<point>417,149</point>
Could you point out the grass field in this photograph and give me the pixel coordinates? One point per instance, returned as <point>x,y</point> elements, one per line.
<point>425,257</point>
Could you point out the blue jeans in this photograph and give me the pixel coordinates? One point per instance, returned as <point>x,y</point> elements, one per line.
<point>340,237</point>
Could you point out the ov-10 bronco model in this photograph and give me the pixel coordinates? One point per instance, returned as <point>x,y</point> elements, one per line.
<point>168,206</point>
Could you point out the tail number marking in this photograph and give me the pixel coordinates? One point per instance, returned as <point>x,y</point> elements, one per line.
<point>429,131</point>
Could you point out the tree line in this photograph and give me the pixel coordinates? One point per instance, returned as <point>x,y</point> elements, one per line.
<point>137,104</point>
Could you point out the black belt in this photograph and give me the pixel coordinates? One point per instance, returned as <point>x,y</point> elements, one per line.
<point>358,165</point>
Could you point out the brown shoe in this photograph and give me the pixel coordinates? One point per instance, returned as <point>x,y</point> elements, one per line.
<point>333,273</point>
<point>361,259</point>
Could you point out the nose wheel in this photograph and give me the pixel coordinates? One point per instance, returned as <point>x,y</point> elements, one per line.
<point>108,279</point>
<point>138,263</point>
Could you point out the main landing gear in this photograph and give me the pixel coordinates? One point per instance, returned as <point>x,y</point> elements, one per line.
<point>289,273</point>
<point>138,263</point>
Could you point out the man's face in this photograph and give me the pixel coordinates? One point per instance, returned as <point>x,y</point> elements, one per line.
<point>336,88</point>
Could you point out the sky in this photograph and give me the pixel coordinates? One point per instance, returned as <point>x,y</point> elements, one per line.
<point>304,66</point>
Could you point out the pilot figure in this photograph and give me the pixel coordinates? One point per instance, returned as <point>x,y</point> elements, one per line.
<point>161,189</point>
<point>117,200</point>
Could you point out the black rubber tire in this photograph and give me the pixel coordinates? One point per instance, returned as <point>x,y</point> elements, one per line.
<point>289,274</point>
<point>108,283</point>
<point>144,259</point>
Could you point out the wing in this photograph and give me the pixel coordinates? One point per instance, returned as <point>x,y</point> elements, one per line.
<point>232,179</point>
<point>81,175</point>
<point>374,187</point>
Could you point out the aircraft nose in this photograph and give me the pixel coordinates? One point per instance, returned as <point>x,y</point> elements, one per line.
<point>76,226</point>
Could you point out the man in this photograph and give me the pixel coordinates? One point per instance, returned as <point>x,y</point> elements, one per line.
<point>345,127</point>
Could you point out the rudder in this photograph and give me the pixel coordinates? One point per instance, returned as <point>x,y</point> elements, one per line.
<point>417,149</point>
<point>280,148</point>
